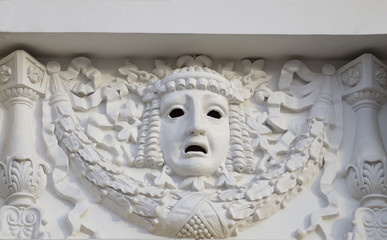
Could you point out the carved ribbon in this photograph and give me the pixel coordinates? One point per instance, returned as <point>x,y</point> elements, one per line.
<point>222,214</point>
<point>56,154</point>
<point>319,89</point>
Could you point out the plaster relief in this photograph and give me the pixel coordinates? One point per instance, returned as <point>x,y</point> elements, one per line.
<point>191,147</point>
<point>366,174</point>
<point>214,156</point>
<point>22,172</point>
<point>5,73</point>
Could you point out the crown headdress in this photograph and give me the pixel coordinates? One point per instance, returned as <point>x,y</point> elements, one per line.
<point>196,73</point>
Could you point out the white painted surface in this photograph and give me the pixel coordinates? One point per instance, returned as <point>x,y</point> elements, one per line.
<point>195,16</point>
<point>131,45</point>
<point>114,28</point>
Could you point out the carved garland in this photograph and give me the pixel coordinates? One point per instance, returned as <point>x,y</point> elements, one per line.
<point>241,205</point>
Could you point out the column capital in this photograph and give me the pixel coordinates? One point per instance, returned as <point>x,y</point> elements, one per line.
<point>364,79</point>
<point>19,70</point>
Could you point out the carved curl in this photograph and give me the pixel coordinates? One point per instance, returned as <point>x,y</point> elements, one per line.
<point>149,152</point>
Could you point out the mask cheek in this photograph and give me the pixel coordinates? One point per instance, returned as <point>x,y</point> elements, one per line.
<point>219,142</point>
<point>170,142</point>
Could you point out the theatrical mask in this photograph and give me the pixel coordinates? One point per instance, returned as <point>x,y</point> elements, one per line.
<point>187,151</point>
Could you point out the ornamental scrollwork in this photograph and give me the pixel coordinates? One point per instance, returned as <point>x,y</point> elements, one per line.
<point>369,224</point>
<point>22,223</point>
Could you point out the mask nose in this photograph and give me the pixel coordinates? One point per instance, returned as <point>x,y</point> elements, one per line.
<point>196,126</point>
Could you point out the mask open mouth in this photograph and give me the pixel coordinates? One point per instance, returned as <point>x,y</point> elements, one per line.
<point>195,148</point>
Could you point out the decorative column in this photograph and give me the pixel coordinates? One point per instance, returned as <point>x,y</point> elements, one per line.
<point>22,173</point>
<point>365,82</point>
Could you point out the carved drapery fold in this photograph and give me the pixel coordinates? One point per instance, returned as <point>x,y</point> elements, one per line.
<point>22,173</point>
<point>364,83</point>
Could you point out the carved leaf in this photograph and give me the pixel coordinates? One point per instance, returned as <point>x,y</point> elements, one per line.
<point>153,192</point>
<point>128,132</point>
<point>272,174</point>
<point>373,177</point>
<point>67,123</point>
<point>131,112</point>
<point>253,68</point>
<point>237,86</point>
<point>256,124</point>
<point>353,181</point>
<point>3,187</point>
<point>162,69</point>
<point>255,121</point>
<point>303,143</point>
<point>295,162</point>
<point>59,132</point>
<point>196,183</point>
<point>261,143</point>
<point>26,173</point>
<point>257,129</point>
<point>121,201</point>
<point>316,148</point>
<point>161,179</point>
<point>125,184</point>
<point>227,179</point>
<point>89,154</point>
<point>285,183</point>
<point>72,143</point>
<point>82,137</point>
<point>227,71</point>
<point>15,176</point>
<point>259,190</point>
<point>129,70</point>
<point>317,127</point>
<point>97,176</point>
<point>262,213</point>
<point>230,195</point>
<point>240,210</point>
<point>145,207</point>
<point>307,173</point>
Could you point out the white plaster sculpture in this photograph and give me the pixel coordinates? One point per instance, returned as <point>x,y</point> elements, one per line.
<point>201,131</point>
<point>22,173</point>
<point>190,149</point>
<point>365,89</point>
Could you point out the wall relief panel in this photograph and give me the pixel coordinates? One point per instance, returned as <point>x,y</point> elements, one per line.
<point>191,147</point>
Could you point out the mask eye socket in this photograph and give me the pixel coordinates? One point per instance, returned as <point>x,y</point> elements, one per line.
<point>175,113</point>
<point>214,114</point>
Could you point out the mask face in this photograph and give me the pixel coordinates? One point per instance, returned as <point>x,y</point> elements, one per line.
<point>194,131</point>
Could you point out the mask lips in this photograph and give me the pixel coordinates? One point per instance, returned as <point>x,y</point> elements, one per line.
<point>195,148</point>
